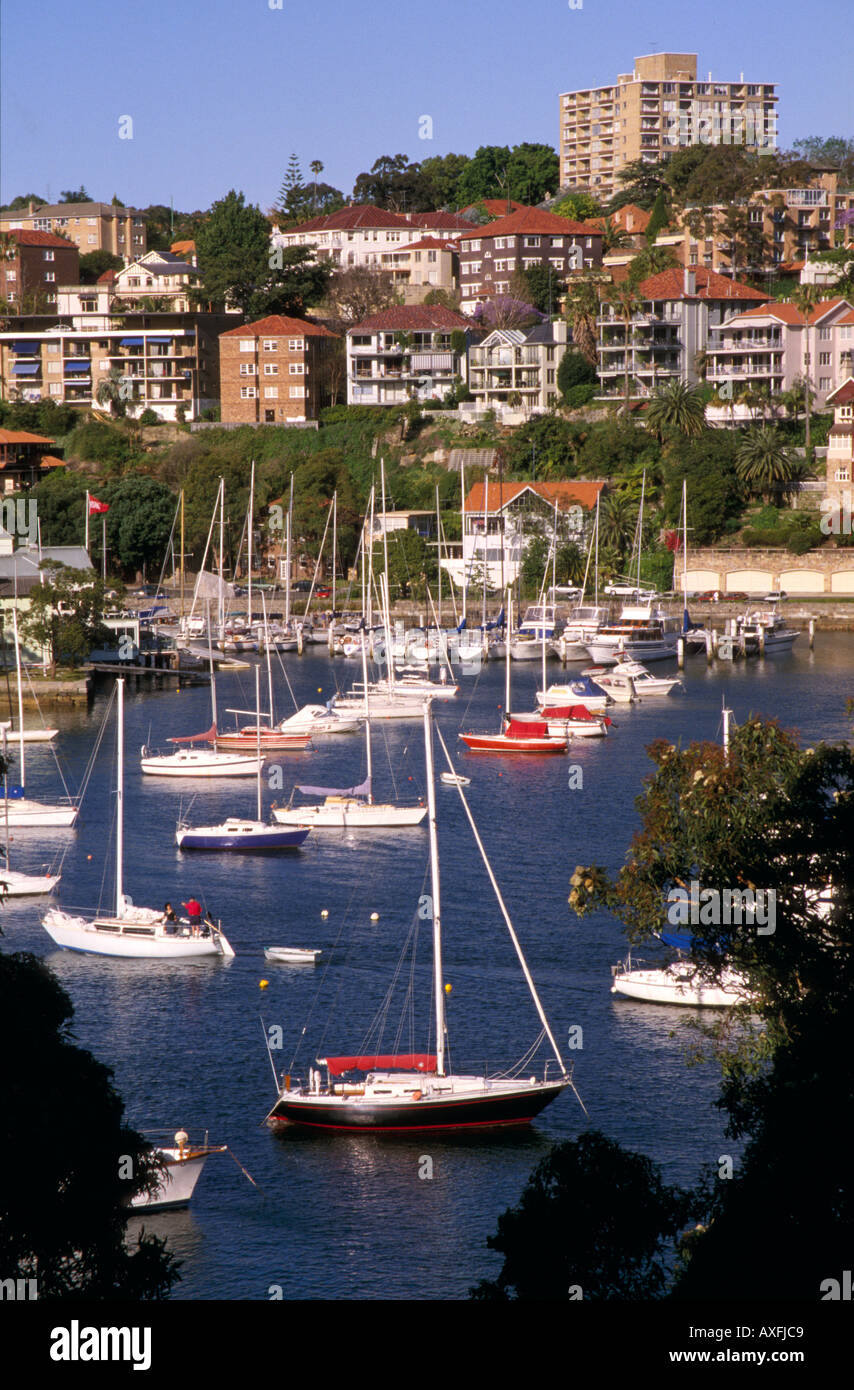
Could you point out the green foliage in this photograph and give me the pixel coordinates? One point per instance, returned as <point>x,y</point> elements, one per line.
<point>715,495</point>
<point>765,464</point>
<point>62,1221</point>
<point>659,217</point>
<point>45,417</point>
<point>616,447</point>
<point>61,500</point>
<point>140,518</point>
<point>97,442</point>
<point>543,287</point>
<point>238,266</point>
<point>676,408</point>
<point>578,207</point>
<point>411,564</point>
<point>69,635</point>
<point>574,370</point>
<point>533,173</point>
<point>544,446</point>
<point>577,396</point>
<point>485,175</point>
<point>94,263</point>
<point>150,417</point>
<point>592,1217</point>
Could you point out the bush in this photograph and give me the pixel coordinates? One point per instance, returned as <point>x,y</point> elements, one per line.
<point>149,417</point>
<point>580,395</point>
<point>433,404</point>
<point>211,413</point>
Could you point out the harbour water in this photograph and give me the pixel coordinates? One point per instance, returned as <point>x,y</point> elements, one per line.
<point>356,1216</point>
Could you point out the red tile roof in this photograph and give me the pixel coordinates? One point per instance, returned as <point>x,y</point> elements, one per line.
<point>107,278</point>
<point>412,318</point>
<point>786,312</point>
<point>25,238</point>
<point>51,461</point>
<point>670,284</point>
<point>431,243</point>
<point>180,246</point>
<point>532,220</point>
<point>639,218</point>
<point>496,207</point>
<point>439,221</point>
<point>23,437</point>
<point>349,219</point>
<point>566,493</point>
<point>276,326</point>
<point>843,395</point>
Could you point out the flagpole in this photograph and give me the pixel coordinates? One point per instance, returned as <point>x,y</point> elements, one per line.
<point>104,545</point>
<point>86,542</point>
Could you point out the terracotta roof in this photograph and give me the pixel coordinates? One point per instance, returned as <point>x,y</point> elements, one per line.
<point>22,437</point>
<point>786,312</point>
<point>531,220</point>
<point>51,461</point>
<point>181,247</point>
<point>670,284</point>
<point>639,219</point>
<point>277,325</point>
<point>349,219</point>
<point>566,493</point>
<point>439,221</point>
<point>843,395</point>
<point>107,278</point>
<point>412,317</point>
<point>25,238</point>
<point>431,243</point>
<point>496,207</point>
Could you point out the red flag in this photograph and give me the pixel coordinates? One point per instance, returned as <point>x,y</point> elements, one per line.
<point>96,507</point>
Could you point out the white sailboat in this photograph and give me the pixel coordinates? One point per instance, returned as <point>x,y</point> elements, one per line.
<point>184,1162</point>
<point>13,883</point>
<point>22,810</point>
<point>417,1092</point>
<point>139,932</point>
<point>351,808</point>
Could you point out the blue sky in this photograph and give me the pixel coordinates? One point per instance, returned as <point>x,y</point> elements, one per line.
<point>220,93</point>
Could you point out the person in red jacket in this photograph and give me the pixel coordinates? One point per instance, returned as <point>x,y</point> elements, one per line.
<point>194,912</point>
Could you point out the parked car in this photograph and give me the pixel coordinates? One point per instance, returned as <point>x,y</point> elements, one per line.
<point>323,592</point>
<point>301,586</point>
<point>721,596</point>
<point>775,596</point>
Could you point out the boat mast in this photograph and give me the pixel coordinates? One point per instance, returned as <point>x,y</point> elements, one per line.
<point>438,987</point>
<point>727,716</point>
<point>211,662</point>
<point>367,721</point>
<point>288,557</point>
<point>640,528</point>
<point>249,559</point>
<point>20,690</point>
<point>258,739</point>
<point>120,779</point>
<point>182,553</point>
<point>334,543</point>
<point>5,795</point>
<point>267,652</point>
<point>596,567</point>
<point>221,606</point>
<point>685,550</point>
<point>507,653</point>
<point>463,532</point>
<point>439,558</point>
<point>485,546</point>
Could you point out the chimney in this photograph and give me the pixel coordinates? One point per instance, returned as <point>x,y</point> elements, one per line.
<point>689,281</point>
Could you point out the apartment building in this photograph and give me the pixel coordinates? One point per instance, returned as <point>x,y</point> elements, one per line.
<point>406,353</point>
<point>501,519</point>
<point>91,226</point>
<point>517,368</point>
<point>648,113</point>
<point>425,265</point>
<point>32,264</point>
<point>363,234</point>
<point>276,371</point>
<point>676,311</point>
<point>491,255</point>
<point>165,362</point>
<point>156,275</point>
<point>766,346</point>
<point>840,451</point>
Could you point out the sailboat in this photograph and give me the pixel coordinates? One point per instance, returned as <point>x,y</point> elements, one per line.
<point>415,1092</point>
<point>183,1162</point>
<point>518,734</point>
<point>141,932</point>
<point>351,808</point>
<point>246,836</point>
<point>21,810</point>
<point>201,762</point>
<point>14,884</point>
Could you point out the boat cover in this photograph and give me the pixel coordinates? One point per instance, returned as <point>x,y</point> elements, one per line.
<point>406,1061</point>
<point>208,737</point>
<point>521,728</point>
<point>575,712</point>
<point>363,789</point>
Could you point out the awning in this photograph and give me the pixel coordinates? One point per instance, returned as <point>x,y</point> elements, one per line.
<point>77,366</point>
<point>159,340</point>
<point>26,368</point>
<point>381,1061</point>
<point>25,347</point>
<point>131,342</point>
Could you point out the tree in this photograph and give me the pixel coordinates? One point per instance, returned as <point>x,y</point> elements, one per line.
<point>641,183</point>
<point>583,307</point>
<point>594,1222</point>
<point>485,175</point>
<point>111,391</point>
<point>533,172</point>
<point>291,195</point>
<point>316,167</point>
<point>94,263</point>
<point>806,297</point>
<point>505,311</point>
<point>394,183</point>
<point>75,195</point>
<point>618,517</point>
<point>574,370</point>
<point>829,149</point>
<point>238,266</point>
<point>627,304</point>
<point>357,292</point>
<point>715,495</point>
<point>543,287</point>
<point>764,463</point>
<point>613,236</point>
<point>62,1218</point>
<point>411,566</point>
<point>651,261</point>
<point>61,501</point>
<point>64,617</point>
<point>441,175</point>
<point>764,816</point>
<point>659,217</point>
<point>139,521</point>
<point>676,406</point>
<point>577,207</point>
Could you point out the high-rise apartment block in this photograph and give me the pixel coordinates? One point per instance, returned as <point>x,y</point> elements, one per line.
<point>648,113</point>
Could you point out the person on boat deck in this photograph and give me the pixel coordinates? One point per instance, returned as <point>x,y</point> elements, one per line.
<point>194,912</point>
<point>170,918</point>
<point>208,924</point>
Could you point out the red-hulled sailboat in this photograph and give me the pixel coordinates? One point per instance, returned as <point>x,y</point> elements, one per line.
<point>413,1092</point>
<point>518,733</point>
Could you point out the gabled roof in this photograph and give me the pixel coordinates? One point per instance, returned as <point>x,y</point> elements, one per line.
<point>276,326</point>
<point>786,312</point>
<point>438,221</point>
<point>628,214</point>
<point>350,219</point>
<point>496,207</point>
<point>25,238</point>
<point>431,243</point>
<point>571,492</point>
<point>412,317</point>
<point>181,248</point>
<point>107,278</point>
<point>670,284</point>
<point>843,395</point>
<point>23,437</point>
<point>532,221</point>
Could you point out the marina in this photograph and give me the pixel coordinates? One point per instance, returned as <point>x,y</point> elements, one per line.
<point>353,898</point>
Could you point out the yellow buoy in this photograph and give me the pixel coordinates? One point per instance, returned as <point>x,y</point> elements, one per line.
<point>448,988</point>
<point>324,912</point>
<point>375,916</point>
<point>320,690</point>
<point>262,984</point>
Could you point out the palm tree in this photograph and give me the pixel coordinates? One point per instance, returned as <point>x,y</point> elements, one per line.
<point>765,465</point>
<point>805,297</point>
<point>316,168</point>
<point>582,312</point>
<point>110,392</point>
<point>617,521</point>
<point>627,304</point>
<point>676,406</point>
<point>613,236</point>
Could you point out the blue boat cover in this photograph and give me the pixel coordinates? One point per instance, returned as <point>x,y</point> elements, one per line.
<point>14,793</point>
<point>364,789</point>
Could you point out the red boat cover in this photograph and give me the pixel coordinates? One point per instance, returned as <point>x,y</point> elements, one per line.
<point>208,737</point>
<point>572,712</point>
<point>406,1061</point>
<point>523,728</point>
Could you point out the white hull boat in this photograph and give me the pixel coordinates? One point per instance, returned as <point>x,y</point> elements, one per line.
<point>681,984</point>
<point>29,735</point>
<point>612,679</point>
<point>24,813</point>
<point>134,933</point>
<point>195,762</point>
<point>568,694</point>
<point>318,720</point>
<point>291,955</point>
<point>349,813</point>
<point>17,885</point>
<point>184,1164</point>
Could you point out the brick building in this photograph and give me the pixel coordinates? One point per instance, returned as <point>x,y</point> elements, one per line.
<point>91,226</point>
<point>276,371</point>
<point>32,264</point>
<point>491,255</point>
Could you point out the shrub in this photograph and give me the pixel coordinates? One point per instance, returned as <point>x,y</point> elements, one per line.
<point>580,395</point>
<point>149,417</point>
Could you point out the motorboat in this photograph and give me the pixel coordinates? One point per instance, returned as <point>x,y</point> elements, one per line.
<point>614,680</point>
<point>766,630</point>
<point>183,1163</point>
<point>454,779</point>
<point>643,681</point>
<point>584,689</point>
<point>318,721</point>
<point>643,632</point>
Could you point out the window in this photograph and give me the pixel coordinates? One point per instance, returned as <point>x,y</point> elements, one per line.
<point>296,368</point>
<point>531,241</point>
<point>53,347</point>
<point>846,331</point>
<point>247,369</point>
<point>248,393</point>
<point>824,359</point>
<point>526,264</point>
<point>474,246</point>
<point>247,344</point>
<point>52,366</point>
<point>550,376</point>
<point>104,364</point>
<point>297,393</point>
<point>296,345</point>
<point>271,369</point>
<point>48,256</point>
<point>557,241</point>
<point>91,239</point>
<point>50,275</point>
<point>91,221</point>
<point>824,334</point>
<point>271,393</point>
<point>473,267</point>
<point>55,388</point>
<point>431,256</point>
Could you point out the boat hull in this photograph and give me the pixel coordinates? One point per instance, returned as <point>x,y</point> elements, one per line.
<point>184,765</point>
<point>683,987</point>
<point>24,813</point>
<point>501,743</point>
<point>272,741</point>
<point>246,837</point>
<point>518,1107</point>
<point>350,815</point>
<point>176,1186</point>
<point>106,937</point>
<point>18,885</point>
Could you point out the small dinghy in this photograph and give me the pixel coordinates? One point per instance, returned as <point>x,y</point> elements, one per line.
<point>454,779</point>
<point>291,955</point>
